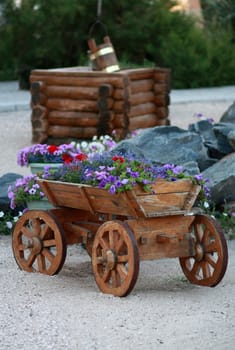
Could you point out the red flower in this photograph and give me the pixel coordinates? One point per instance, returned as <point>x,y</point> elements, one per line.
<point>118,158</point>
<point>81,157</point>
<point>67,158</point>
<point>52,148</point>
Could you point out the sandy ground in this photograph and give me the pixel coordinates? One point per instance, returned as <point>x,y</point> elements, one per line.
<point>67,311</point>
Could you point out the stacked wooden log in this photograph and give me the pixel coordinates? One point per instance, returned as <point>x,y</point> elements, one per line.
<point>77,103</point>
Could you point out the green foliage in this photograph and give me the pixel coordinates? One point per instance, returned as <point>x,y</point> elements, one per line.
<point>221,12</point>
<point>54,33</point>
<point>7,221</point>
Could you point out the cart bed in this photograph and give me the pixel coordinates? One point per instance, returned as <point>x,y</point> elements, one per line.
<point>166,198</point>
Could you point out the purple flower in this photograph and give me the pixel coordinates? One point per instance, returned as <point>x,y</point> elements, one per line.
<point>112,189</point>
<point>198,177</point>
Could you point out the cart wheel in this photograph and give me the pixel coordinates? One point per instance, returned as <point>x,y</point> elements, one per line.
<point>115,258</point>
<point>209,264</point>
<point>38,242</point>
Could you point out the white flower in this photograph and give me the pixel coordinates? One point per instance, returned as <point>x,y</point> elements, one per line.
<point>206,205</point>
<point>9,224</point>
<point>1,214</point>
<point>84,144</point>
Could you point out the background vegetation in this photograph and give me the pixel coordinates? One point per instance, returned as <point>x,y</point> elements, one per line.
<point>54,33</point>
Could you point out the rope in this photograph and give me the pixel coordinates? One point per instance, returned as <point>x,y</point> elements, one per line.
<point>98,21</point>
<point>99,8</point>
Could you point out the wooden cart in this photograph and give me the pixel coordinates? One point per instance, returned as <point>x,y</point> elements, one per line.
<point>119,230</point>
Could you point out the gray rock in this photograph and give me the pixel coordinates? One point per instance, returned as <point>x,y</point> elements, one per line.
<point>215,138</point>
<point>169,144</point>
<point>222,179</point>
<point>231,139</point>
<point>222,131</point>
<point>229,115</point>
<point>6,181</point>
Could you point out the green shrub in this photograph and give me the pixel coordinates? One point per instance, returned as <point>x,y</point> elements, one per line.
<point>54,33</point>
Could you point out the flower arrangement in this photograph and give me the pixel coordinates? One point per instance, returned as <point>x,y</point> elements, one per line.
<point>25,189</point>
<point>64,153</point>
<point>118,174</point>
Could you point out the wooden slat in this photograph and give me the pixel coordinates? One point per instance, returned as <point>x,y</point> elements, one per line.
<point>71,131</point>
<point>73,118</point>
<point>143,121</point>
<point>73,92</point>
<point>141,85</point>
<point>72,105</point>
<point>142,109</point>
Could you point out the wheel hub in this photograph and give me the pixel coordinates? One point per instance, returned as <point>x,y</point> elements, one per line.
<point>35,244</point>
<point>111,259</point>
<point>199,252</point>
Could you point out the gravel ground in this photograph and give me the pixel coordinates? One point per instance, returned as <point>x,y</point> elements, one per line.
<point>67,311</point>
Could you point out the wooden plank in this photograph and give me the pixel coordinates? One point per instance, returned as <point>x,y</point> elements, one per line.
<point>73,118</point>
<point>142,97</point>
<point>161,88</point>
<point>143,121</point>
<point>141,85</point>
<point>138,74</point>
<point>71,131</point>
<point>142,109</point>
<point>73,92</point>
<point>93,79</point>
<point>70,105</point>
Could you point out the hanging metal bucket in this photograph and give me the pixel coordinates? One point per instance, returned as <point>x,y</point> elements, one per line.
<point>102,57</point>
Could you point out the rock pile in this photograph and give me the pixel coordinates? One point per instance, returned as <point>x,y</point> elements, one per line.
<point>204,148</point>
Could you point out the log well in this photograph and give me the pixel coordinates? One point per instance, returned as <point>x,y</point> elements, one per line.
<point>79,103</point>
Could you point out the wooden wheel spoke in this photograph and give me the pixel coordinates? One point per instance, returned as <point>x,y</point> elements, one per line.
<point>36,226</point>
<point>115,279</point>
<point>106,275</point>
<point>26,231</point>
<point>206,270</point>
<point>104,244</point>
<point>211,261</point>
<point>119,244</point>
<point>206,236</point>
<point>98,260</point>
<point>111,239</point>
<point>199,233</point>
<point>122,271</point>
<point>122,258</point>
<point>211,247</point>
<point>48,255</point>
<point>45,230</point>
<point>49,243</point>
<point>196,268</point>
<point>41,263</point>
<point>22,247</point>
<point>30,260</point>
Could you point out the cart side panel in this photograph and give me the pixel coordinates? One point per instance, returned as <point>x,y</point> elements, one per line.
<point>167,197</point>
<point>94,200</point>
<point>163,237</point>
